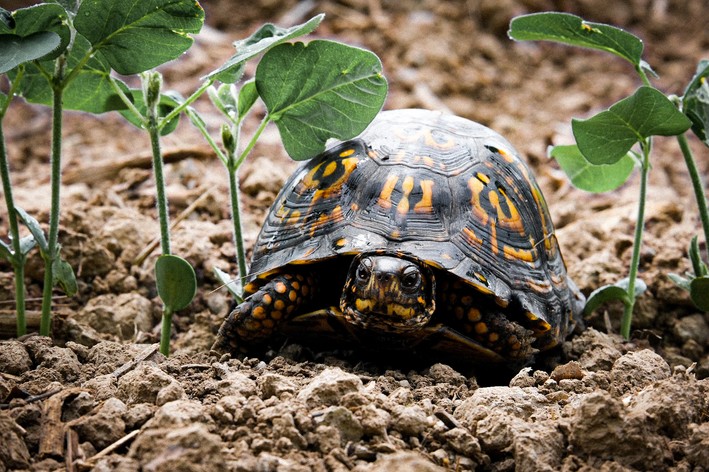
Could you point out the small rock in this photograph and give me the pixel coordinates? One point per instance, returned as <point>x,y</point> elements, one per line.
<point>596,350</point>
<point>60,359</point>
<point>190,448</point>
<point>13,451</point>
<point>329,387</point>
<point>409,420</point>
<point>14,358</point>
<point>120,314</point>
<point>698,447</point>
<point>406,460</point>
<point>177,414</point>
<point>635,370</point>
<point>143,384</point>
<point>102,387</point>
<point>570,370</point>
<point>343,420</point>
<point>462,442</point>
<point>442,373</point>
<point>692,327</point>
<point>374,421</point>
<point>273,385</point>
<point>105,426</point>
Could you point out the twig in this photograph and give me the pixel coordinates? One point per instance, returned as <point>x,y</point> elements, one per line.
<point>137,360</point>
<point>109,449</point>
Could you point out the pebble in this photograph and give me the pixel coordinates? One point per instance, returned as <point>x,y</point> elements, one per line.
<point>328,387</point>
<point>14,358</point>
<point>344,421</point>
<point>636,370</point>
<point>410,420</point>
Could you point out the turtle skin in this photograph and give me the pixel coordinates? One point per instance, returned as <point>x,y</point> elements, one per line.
<point>426,232</point>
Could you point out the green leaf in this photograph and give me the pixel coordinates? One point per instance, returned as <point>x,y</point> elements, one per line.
<point>681,282</point>
<point>168,102</point>
<point>700,268</point>
<point>63,275</point>
<point>224,99</point>
<point>574,31</point>
<point>90,91</point>
<point>6,252</point>
<point>35,229</point>
<point>608,136</point>
<point>591,177</point>
<point>42,18</point>
<point>27,244</point>
<point>695,102</point>
<point>262,40</point>
<point>232,284</point>
<point>137,35</point>
<point>699,292</point>
<point>15,50</point>
<point>605,294</point>
<point>176,281</point>
<point>319,91</point>
<point>247,97</point>
<point>616,292</point>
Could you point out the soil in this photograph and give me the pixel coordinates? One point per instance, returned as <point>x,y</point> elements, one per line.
<point>98,396</point>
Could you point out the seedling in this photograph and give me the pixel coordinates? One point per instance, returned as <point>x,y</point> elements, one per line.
<point>610,144</point>
<point>312,92</point>
<point>62,54</point>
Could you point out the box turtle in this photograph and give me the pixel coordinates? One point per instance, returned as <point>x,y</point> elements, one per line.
<point>426,232</point>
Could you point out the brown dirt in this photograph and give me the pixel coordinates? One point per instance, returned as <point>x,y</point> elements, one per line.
<point>99,397</point>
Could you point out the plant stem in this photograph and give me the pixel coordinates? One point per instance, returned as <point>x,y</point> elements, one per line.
<point>18,257</point>
<point>165,332</point>
<point>637,242</point>
<point>236,219</point>
<point>178,109</point>
<point>56,173</point>
<point>266,120</point>
<point>161,199</point>
<point>698,186</point>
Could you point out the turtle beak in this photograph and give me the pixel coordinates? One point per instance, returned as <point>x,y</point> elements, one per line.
<point>388,293</point>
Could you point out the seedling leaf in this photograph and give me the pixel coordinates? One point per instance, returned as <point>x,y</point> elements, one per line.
<point>232,284</point>
<point>63,275</point>
<point>319,91</point>
<point>90,91</point>
<point>681,282</point>
<point>15,50</point>
<point>36,230</point>
<point>695,102</point>
<point>700,268</point>
<point>137,35</point>
<point>574,31</point>
<point>247,97</point>
<point>168,102</point>
<point>225,99</point>
<point>27,244</point>
<point>262,40</point>
<point>604,294</point>
<point>6,251</point>
<point>699,292</point>
<point>176,282</point>
<point>608,136</point>
<point>617,291</point>
<point>591,177</point>
<point>28,22</point>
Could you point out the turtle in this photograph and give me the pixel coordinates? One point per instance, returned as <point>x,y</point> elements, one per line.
<point>425,233</point>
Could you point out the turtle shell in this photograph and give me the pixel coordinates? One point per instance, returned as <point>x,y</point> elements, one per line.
<point>448,191</point>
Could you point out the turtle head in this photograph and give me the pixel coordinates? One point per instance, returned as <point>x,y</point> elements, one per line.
<point>389,293</point>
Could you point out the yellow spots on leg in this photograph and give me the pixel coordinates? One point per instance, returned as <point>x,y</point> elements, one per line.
<point>493,337</point>
<point>281,287</point>
<point>480,328</point>
<point>259,313</point>
<point>292,295</point>
<point>295,285</point>
<point>474,315</point>
<point>458,311</point>
<point>466,300</point>
<point>276,315</point>
<point>268,323</point>
<point>279,305</point>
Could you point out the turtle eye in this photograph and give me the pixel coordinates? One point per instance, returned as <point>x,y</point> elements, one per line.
<point>411,279</point>
<point>364,270</point>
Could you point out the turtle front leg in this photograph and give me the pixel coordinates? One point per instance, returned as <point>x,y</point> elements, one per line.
<point>270,302</point>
